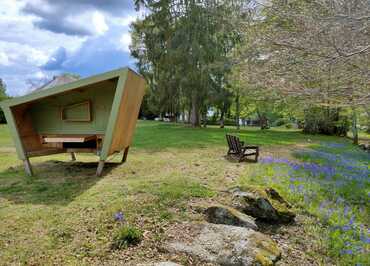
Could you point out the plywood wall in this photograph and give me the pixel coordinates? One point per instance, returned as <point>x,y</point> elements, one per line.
<point>128,113</point>
<point>23,120</point>
<point>46,113</point>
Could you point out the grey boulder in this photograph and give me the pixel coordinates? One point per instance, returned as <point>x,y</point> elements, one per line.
<point>226,245</point>
<point>219,214</point>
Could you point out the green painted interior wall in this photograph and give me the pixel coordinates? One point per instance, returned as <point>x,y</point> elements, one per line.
<point>46,116</point>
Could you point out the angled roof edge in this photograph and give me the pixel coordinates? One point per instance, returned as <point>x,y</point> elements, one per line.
<point>65,87</point>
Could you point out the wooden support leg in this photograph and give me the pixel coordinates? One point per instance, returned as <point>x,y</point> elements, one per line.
<point>73,156</point>
<point>27,167</point>
<point>99,170</point>
<point>125,153</point>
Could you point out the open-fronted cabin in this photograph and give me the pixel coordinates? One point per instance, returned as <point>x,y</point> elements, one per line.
<point>96,115</point>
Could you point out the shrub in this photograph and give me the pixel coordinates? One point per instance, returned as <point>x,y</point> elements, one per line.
<point>289,125</point>
<point>325,120</point>
<point>127,236</point>
<point>280,122</point>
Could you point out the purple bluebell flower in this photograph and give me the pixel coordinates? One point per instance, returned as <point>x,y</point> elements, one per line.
<point>365,240</point>
<point>340,200</point>
<point>346,210</point>
<point>346,228</point>
<point>119,216</point>
<point>346,252</point>
<point>329,213</point>
<point>351,221</point>
<point>323,204</point>
<point>363,237</point>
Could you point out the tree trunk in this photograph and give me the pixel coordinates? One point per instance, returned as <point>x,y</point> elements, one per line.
<point>368,120</point>
<point>189,115</point>
<point>237,111</point>
<point>205,119</point>
<point>354,126</point>
<point>194,119</point>
<point>262,120</point>
<point>222,119</point>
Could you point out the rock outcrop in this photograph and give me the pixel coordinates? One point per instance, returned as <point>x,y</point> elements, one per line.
<point>226,245</point>
<point>262,203</point>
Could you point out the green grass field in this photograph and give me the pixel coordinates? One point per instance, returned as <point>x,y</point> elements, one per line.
<point>65,214</point>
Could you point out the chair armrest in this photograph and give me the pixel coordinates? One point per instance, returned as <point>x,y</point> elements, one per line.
<point>250,147</point>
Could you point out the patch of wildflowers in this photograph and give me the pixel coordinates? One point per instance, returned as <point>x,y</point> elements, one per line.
<point>327,178</point>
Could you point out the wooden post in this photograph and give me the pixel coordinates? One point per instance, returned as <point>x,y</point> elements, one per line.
<point>125,153</point>
<point>27,167</point>
<point>99,170</point>
<point>73,156</point>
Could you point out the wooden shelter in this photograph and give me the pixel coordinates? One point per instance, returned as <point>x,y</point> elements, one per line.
<point>96,115</point>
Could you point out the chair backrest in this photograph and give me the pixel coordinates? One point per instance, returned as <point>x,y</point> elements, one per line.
<point>229,141</point>
<point>235,143</point>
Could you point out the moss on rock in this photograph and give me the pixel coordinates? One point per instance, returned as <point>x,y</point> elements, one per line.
<point>263,203</point>
<point>268,251</point>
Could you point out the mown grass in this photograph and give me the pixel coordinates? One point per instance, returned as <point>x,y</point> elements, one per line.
<point>153,135</point>
<point>71,211</point>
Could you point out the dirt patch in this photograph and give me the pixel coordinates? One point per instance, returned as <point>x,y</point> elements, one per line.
<point>297,244</point>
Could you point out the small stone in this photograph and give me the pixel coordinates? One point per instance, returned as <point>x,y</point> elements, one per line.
<point>219,214</point>
<point>263,203</point>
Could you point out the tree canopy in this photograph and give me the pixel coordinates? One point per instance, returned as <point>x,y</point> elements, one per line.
<point>263,57</point>
<point>183,50</point>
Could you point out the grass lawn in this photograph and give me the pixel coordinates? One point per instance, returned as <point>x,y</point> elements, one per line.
<point>66,215</point>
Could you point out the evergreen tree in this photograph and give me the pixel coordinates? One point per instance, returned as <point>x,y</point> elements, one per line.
<point>183,50</point>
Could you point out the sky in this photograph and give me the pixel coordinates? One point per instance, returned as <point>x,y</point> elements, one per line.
<point>43,38</point>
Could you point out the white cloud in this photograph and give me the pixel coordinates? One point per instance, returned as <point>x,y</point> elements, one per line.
<point>125,21</point>
<point>4,60</point>
<point>93,23</point>
<point>26,48</point>
<point>39,75</point>
<point>125,42</point>
<point>98,21</point>
<point>23,53</point>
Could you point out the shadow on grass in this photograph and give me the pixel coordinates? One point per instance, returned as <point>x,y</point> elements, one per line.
<point>235,160</point>
<point>54,182</point>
